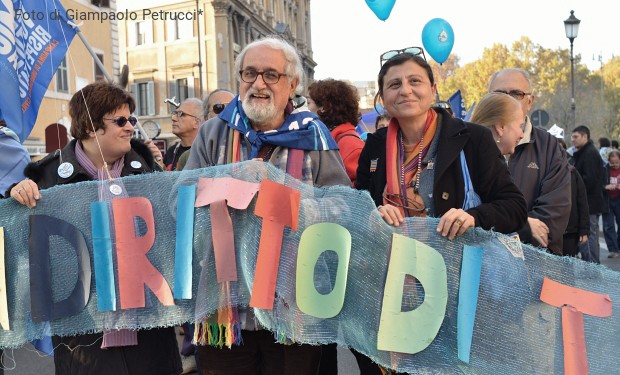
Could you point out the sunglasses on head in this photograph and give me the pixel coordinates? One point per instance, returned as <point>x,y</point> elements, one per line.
<point>218,108</point>
<point>121,121</point>
<point>414,51</point>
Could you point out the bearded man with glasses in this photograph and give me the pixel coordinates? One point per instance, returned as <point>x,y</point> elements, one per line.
<point>265,123</point>
<point>539,167</point>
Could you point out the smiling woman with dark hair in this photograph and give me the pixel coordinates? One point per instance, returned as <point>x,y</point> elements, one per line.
<point>102,149</point>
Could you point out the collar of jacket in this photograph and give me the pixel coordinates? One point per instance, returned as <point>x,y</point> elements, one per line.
<point>452,138</point>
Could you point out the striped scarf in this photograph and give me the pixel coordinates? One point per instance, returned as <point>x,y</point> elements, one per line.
<point>397,165</point>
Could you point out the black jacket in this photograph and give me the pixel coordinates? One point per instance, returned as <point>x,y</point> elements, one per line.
<point>589,164</point>
<point>157,351</point>
<point>579,220</point>
<point>503,206</point>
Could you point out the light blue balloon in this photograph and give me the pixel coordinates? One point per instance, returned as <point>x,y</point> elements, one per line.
<point>438,39</point>
<point>381,8</point>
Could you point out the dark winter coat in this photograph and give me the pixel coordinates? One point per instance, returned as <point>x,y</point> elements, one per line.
<point>589,164</point>
<point>503,206</point>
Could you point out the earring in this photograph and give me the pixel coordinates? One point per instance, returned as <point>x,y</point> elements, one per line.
<point>498,139</point>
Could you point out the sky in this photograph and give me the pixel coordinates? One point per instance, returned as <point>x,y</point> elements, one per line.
<point>347,37</point>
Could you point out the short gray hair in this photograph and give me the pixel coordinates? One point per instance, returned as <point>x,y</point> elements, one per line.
<point>294,69</point>
<point>523,72</point>
<point>196,102</point>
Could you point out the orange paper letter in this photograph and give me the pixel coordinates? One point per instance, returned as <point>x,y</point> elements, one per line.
<point>574,303</point>
<point>134,268</point>
<point>278,205</point>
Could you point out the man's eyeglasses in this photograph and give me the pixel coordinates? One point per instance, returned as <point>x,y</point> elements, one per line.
<point>408,204</point>
<point>218,108</point>
<point>179,114</point>
<point>414,51</point>
<point>269,76</point>
<point>517,94</point>
<point>121,121</point>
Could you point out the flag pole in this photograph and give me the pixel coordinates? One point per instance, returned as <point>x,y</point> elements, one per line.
<point>103,69</point>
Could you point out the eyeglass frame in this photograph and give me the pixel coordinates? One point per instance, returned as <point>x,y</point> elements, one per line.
<point>117,121</point>
<point>261,73</point>
<point>181,114</point>
<point>517,94</point>
<point>219,107</point>
<point>388,197</point>
<point>400,52</point>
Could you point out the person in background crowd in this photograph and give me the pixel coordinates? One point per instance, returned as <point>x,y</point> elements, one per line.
<point>13,159</point>
<point>215,103</point>
<point>578,227</point>
<point>587,161</point>
<point>539,167</point>
<point>614,144</point>
<point>611,218</point>
<point>604,146</point>
<point>104,142</point>
<point>503,115</point>
<point>185,123</point>
<point>259,124</point>
<point>337,105</point>
<point>413,167</point>
<point>382,121</point>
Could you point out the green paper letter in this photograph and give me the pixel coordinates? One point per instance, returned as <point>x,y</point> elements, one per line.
<point>315,240</point>
<point>412,331</point>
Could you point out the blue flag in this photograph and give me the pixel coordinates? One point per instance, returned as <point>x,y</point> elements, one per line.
<point>34,38</point>
<point>469,112</point>
<point>458,107</point>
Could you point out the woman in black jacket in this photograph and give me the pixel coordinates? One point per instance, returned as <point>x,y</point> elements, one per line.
<point>102,149</point>
<point>413,167</point>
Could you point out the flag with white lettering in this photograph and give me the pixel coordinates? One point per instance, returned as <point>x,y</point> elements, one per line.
<point>458,107</point>
<point>34,38</point>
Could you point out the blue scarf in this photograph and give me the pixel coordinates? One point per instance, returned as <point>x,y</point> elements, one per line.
<point>301,130</point>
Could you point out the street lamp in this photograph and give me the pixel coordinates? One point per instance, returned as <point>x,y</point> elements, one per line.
<point>571,26</point>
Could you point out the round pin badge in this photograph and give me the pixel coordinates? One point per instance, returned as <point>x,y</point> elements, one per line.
<point>65,170</point>
<point>135,164</point>
<point>115,189</point>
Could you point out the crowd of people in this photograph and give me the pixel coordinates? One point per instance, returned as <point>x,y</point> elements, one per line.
<point>496,171</point>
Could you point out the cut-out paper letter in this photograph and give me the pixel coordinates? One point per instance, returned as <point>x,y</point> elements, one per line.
<point>221,193</point>
<point>412,331</point>
<point>43,308</point>
<point>468,299</point>
<point>134,268</point>
<point>574,303</point>
<point>102,252</point>
<point>278,205</point>
<point>315,240</point>
<point>183,253</point>
<point>4,306</point>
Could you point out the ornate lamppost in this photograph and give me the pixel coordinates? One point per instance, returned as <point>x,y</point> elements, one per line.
<point>571,26</point>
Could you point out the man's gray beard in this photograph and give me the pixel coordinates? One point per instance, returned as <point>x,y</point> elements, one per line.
<point>259,113</point>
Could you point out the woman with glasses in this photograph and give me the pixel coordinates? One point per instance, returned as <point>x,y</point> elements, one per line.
<point>337,104</point>
<point>102,149</point>
<point>413,167</point>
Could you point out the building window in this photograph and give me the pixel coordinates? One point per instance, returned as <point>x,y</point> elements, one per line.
<point>179,29</point>
<point>144,94</point>
<point>62,77</point>
<point>140,33</point>
<point>99,76</point>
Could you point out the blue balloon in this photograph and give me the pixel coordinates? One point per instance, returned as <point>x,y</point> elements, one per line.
<point>381,8</point>
<point>438,39</point>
